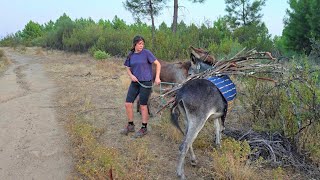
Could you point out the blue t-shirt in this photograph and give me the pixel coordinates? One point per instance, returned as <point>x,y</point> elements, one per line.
<point>141,64</point>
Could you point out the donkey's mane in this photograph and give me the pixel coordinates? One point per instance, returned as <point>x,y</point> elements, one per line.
<point>203,55</point>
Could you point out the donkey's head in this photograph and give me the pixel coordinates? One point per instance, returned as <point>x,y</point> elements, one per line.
<point>198,65</point>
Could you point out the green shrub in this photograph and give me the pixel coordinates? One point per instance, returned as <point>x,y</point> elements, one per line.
<point>101,55</point>
<point>92,50</point>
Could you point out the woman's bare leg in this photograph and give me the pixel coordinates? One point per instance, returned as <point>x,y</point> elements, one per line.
<point>129,111</point>
<point>144,113</point>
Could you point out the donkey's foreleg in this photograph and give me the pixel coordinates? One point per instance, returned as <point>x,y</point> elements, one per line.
<point>218,130</point>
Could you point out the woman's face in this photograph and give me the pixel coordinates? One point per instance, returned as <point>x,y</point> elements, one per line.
<point>139,46</point>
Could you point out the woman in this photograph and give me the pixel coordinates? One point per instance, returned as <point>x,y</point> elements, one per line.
<point>139,68</point>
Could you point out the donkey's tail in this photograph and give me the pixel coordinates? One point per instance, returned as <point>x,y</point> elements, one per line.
<point>175,113</point>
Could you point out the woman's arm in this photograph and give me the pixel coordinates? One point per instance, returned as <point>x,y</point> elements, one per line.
<point>132,77</point>
<point>158,69</point>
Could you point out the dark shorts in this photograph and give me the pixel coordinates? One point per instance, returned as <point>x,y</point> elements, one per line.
<point>135,89</point>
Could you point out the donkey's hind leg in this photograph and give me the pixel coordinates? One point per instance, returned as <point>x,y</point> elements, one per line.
<point>218,130</point>
<point>195,124</point>
<point>192,155</point>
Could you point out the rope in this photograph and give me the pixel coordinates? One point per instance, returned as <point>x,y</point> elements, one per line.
<point>170,83</point>
<point>144,85</point>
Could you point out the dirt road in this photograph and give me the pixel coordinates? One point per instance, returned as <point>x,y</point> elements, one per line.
<point>33,143</point>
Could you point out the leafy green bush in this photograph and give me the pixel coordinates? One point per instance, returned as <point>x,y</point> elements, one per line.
<point>101,55</point>
<point>92,50</point>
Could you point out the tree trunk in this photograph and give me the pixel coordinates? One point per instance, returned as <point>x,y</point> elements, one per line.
<point>175,16</point>
<point>152,22</point>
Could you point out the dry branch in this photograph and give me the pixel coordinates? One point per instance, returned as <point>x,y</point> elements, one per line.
<point>275,149</point>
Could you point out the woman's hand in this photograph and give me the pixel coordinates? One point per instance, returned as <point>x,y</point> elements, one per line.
<point>157,81</point>
<point>133,78</point>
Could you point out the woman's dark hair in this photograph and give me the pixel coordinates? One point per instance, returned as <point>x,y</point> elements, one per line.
<point>135,41</point>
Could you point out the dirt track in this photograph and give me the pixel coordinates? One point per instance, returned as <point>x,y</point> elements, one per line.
<point>33,143</point>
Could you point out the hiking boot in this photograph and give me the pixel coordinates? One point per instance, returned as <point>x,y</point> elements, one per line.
<point>140,133</point>
<point>126,130</point>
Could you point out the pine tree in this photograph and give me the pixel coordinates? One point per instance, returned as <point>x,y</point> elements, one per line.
<point>175,13</point>
<point>297,29</point>
<point>145,9</point>
<point>244,19</point>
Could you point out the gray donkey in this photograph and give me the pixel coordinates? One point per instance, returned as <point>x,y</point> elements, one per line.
<point>198,100</point>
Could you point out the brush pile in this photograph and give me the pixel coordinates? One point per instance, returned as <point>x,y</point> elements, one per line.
<point>245,63</point>
<point>275,149</point>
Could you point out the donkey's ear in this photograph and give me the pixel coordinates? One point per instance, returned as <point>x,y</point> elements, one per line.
<point>193,58</point>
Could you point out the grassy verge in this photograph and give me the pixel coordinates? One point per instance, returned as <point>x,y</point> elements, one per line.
<point>93,160</point>
<point>4,61</point>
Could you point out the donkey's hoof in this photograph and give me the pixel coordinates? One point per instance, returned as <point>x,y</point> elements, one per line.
<point>181,176</point>
<point>194,163</point>
<point>217,146</point>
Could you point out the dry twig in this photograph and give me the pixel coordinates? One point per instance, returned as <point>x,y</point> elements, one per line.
<point>275,149</point>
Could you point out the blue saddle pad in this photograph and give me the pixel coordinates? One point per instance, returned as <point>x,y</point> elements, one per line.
<point>225,85</point>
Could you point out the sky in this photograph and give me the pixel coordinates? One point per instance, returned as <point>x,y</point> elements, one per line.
<point>15,14</point>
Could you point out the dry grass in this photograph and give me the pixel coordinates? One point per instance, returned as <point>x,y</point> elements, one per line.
<point>39,51</point>
<point>310,140</point>
<point>231,162</point>
<point>21,49</point>
<point>166,130</point>
<point>93,160</point>
<point>137,163</point>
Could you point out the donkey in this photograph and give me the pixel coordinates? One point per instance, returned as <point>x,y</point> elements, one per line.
<point>170,72</point>
<point>198,100</point>
<point>173,72</point>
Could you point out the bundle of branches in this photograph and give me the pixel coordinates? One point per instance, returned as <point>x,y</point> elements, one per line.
<point>243,63</point>
<point>275,149</point>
